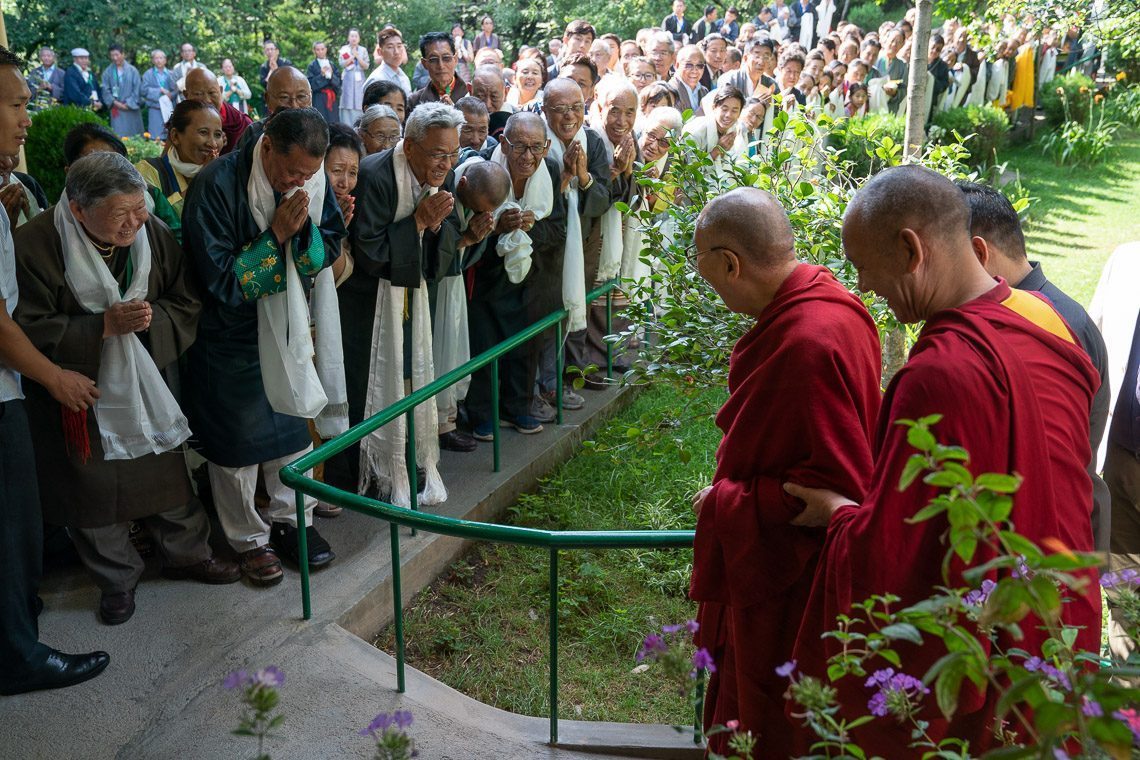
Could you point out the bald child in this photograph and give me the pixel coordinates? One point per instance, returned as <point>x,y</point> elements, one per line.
<point>803,395</point>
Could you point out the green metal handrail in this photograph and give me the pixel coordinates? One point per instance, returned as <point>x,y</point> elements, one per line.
<point>554,541</point>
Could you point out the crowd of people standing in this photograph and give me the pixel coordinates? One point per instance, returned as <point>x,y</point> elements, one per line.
<point>264,284</point>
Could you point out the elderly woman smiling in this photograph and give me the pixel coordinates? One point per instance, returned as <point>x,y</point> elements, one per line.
<point>379,128</point>
<point>103,290</point>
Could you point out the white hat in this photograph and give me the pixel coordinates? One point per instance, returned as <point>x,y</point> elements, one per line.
<point>80,53</point>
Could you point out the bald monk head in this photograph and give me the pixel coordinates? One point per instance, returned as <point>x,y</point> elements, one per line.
<point>744,248</point>
<point>202,86</point>
<point>483,187</point>
<point>907,232</point>
<point>287,87</point>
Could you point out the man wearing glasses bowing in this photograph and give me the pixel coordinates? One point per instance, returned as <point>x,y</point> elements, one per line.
<point>437,50</point>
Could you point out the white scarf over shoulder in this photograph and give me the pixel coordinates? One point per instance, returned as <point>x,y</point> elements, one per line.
<point>515,247</point>
<point>574,262</point>
<point>383,460</point>
<point>614,229</point>
<point>284,341</point>
<point>136,413</point>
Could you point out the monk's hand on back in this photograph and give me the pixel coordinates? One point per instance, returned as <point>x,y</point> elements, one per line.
<point>820,505</point>
<point>433,209</point>
<point>72,390</point>
<point>699,499</point>
<point>290,216</point>
<point>126,317</point>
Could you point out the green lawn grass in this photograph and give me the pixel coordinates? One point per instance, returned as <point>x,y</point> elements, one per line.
<point>482,628</point>
<point>1081,214</point>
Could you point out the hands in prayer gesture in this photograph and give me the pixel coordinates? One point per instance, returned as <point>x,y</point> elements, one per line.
<point>347,205</point>
<point>126,317</point>
<point>574,165</point>
<point>290,216</point>
<point>478,228</point>
<point>624,153</point>
<point>433,209</point>
<point>14,200</point>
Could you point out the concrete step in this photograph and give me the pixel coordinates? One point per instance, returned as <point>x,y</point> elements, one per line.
<point>162,698</point>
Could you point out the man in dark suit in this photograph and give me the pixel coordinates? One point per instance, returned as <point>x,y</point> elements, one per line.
<point>707,24</point>
<point>46,81</point>
<point>676,24</point>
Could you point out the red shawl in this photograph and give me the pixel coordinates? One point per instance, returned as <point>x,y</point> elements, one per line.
<point>1017,397</point>
<point>804,389</point>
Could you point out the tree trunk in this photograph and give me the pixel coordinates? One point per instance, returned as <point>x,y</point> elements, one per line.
<point>916,82</point>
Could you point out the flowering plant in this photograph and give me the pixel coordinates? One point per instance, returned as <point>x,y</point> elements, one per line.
<point>388,730</point>
<point>1077,143</point>
<point>259,695</point>
<point>1050,701</point>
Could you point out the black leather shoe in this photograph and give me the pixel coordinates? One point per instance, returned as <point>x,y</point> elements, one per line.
<point>58,670</point>
<point>283,539</point>
<point>457,441</point>
<point>115,609</point>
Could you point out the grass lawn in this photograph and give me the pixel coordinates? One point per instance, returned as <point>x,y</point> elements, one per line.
<point>482,628</point>
<point>1081,214</point>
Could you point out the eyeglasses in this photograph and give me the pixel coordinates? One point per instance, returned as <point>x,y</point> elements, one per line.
<point>692,254</point>
<point>384,137</point>
<point>691,66</point>
<point>645,76</point>
<point>565,110</point>
<point>534,150</point>
<point>662,141</point>
<point>439,158</point>
<point>439,60</point>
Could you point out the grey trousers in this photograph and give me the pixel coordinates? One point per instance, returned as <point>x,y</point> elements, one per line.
<point>1122,474</point>
<point>182,535</point>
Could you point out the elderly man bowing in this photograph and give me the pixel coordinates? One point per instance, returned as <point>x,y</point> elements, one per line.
<point>406,234</point>
<point>104,290</point>
<point>286,87</point>
<point>814,355</point>
<point>1014,388</point>
<point>527,245</point>
<point>259,224</point>
<point>203,86</point>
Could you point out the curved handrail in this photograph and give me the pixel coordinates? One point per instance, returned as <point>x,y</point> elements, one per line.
<point>293,475</point>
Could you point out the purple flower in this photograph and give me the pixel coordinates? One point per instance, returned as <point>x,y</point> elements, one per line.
<point>786,670</point>
<point>1060,754</point>
<point>1091,708</point>
<point>403,718</point>
<point>235,680</point>
<point>1037,665</point>
<point>1121,578</point>
<point>1022,570</point>
<point>689,625</point>
<point>978,597</point>
<point>379,725</point>
<point>898,693</point>
<point>702,660</point>
<point>651,647</point>
<point>270,677</point>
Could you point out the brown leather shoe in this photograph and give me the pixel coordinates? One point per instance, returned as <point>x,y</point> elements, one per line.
<point>325,509</point>
<point>213,570</point>
<point>261,566</point>
<point>117,608</point>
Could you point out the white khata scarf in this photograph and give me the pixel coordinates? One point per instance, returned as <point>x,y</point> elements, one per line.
<point>516,247</point>
<point>574,262</point>
<point>450,343</point>
<point>284,342</point>
<point>185,168</point>
<point>136,413</point>
<point>614,228</point>
<point>382,457</point>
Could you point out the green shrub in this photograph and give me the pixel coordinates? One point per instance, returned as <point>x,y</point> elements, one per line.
<point>981,129</point>
<point>139,148</point>
<point>1076,87</point>
<point>44,149</point>
<point>869,16</point>
<point>1123,56</point>
<point>861,141</point>
<point>1123,104</point>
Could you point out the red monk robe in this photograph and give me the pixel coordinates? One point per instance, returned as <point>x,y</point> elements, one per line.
<point>1014,389</point>
<point>234,124</point>
<point>804,388</point>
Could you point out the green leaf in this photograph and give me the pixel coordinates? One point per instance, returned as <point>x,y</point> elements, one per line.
<point>933,509</point>
<point>997,482</point>
<point>913,468</point>
<point>1016,694</point>
<point>921,439</point>
<point>947,686</point>
<point>904,631</point>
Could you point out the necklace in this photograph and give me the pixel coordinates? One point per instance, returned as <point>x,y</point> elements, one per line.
<point>110,250</point>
